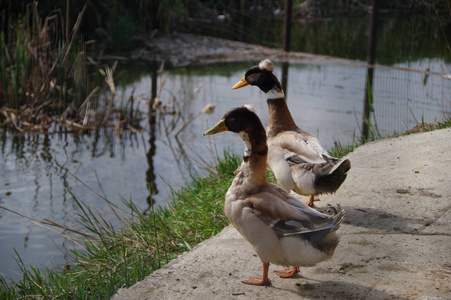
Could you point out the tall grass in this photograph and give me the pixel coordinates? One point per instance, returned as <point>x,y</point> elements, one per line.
<point>118,257</point>
<point>37,60</point>
<point>49,75</point>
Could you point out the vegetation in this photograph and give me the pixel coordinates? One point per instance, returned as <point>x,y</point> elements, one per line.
<point>339,150</point>
<point>114,258</point>
<point>48,75</point>
<point>51,68</point>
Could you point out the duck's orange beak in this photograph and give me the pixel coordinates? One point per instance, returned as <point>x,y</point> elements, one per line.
<point>240,84</point>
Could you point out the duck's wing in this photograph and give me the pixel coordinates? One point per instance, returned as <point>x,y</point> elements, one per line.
<point>297,171</point>
<point>289,228</point>
<point>293,159</point>
<point>276,205</point>
<point>306,146</point>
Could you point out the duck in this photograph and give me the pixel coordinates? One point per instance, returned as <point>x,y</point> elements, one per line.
<point>282,229</point>
<point>298,160</point>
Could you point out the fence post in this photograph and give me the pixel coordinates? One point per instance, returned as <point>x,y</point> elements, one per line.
<point>371,59</point>
<point>286,42</point>
<point>287,25</point>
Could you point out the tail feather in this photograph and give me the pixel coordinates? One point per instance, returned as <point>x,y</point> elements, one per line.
<point>330,182</point>
<point>318,178</point>
<point>324,238</point>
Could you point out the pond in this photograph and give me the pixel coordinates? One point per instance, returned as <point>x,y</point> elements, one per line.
<point>38,173</point>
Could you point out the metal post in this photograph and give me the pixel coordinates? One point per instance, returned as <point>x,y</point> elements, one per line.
<point>287,25</point>
<point>371,59</point>
<point>155,5</point>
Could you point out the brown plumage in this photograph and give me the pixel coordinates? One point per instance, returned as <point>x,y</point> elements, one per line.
<point>282,230</point>
<point>296,157</point>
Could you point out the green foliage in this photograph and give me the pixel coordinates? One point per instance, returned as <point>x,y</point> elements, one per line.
<point>339,150</point>
<point>48,74</point>
<point>121,28</point>
<point>37,64</point>
<point>170,13</point>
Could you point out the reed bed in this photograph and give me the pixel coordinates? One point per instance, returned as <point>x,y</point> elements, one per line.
<point>49,77</point>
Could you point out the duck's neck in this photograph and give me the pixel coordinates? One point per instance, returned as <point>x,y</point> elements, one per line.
<point>280,118</point>
<point>255,155</point>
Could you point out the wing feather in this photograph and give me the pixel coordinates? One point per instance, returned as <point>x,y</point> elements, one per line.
<point>307,147</point>
<point>279,205</point>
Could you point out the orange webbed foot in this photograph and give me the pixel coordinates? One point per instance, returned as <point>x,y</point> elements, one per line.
<point>260,281</point>
<point>287,273</point>
<point>257,281</point>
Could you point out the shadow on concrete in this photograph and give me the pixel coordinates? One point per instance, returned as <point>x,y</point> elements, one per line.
<point>372,218</point>
<point>337,290</point>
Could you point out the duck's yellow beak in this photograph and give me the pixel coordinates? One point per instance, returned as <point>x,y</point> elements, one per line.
<point>240,84</point>
<point>220,127</point>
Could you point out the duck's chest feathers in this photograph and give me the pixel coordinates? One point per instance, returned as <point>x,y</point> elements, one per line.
<point>241,186</point>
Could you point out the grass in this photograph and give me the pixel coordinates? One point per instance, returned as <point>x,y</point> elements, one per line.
<point>114,258</point>
<point>339,150</point>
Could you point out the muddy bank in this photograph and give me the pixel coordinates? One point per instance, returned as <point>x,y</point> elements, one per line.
<point>183,49</point>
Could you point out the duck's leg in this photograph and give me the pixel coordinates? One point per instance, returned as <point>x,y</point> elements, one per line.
<point>287,273</point>
<point>260,281</point>
<point>310,203</point>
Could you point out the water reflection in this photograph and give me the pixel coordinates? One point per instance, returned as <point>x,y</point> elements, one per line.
<point>35,178</point>
<point>150,173</point>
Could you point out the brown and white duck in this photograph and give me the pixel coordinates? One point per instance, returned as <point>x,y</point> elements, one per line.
<point>296,157</point>
<point>281,229</point>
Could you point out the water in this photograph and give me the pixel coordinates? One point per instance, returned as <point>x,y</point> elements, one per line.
<point>38,171</point>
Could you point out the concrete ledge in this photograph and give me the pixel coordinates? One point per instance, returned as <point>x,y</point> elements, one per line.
<point>395,242</point>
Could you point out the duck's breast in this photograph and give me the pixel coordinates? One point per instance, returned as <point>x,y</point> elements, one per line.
<point>257,232</point>
<point>280,168</point>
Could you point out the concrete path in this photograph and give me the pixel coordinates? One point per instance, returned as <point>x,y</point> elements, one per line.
<point>395,241</point>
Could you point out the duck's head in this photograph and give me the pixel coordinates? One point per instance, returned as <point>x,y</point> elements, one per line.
<point>261,76</point>
<point>239,120</point>
<point>244,122</point>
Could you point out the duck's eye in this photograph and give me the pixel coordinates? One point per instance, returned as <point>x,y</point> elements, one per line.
<point>252,78</point>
